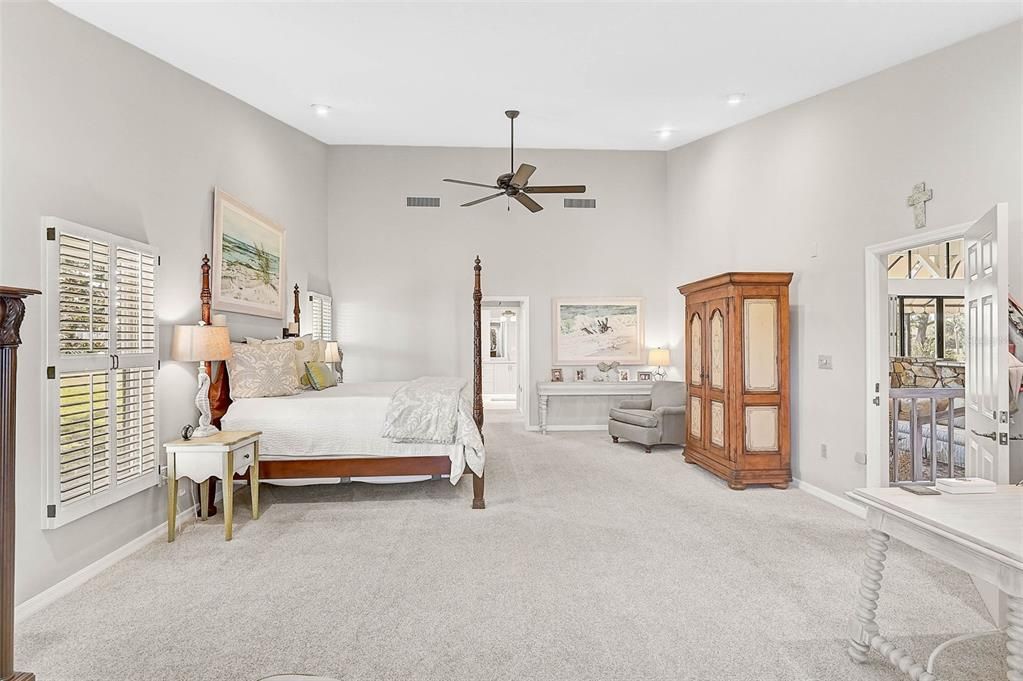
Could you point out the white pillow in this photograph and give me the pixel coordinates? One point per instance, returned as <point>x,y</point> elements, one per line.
<point>306,350</point>
<point>265,370</point>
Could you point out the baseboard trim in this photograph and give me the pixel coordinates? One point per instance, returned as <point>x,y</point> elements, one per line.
<point>69,584</point>
<point>568,428</point>
<point>843,503</point>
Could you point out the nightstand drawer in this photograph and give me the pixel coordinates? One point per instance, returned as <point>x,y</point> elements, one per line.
<point>243,459</point>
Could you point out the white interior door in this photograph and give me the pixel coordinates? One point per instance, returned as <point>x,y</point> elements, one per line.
<point>987,369</point>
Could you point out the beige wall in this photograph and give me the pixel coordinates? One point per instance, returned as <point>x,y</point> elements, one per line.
<point>100,133</point>
<point>829,176</point>
<point>403,276</point>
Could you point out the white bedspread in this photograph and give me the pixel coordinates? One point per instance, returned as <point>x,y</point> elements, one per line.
<point>341,422</point>
<point>435,410</point>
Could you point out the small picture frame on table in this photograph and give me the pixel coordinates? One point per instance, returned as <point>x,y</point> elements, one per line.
<point>644,376</point>
<point>557,376</point>
<point>623,375</point>
<point>580,374</point>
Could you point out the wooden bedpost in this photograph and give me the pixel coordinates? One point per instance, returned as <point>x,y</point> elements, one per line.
<point>296,311</point>
<point>206,315</point>
<point>12,312</point>
<point>477,348</point>
<point>478,500</point>
<point>205,295</point>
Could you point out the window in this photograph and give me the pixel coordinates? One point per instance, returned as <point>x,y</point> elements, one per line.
<point>931,327</point>
<point>936,261</point>
<point>323,316</point>
<point>101,369</point>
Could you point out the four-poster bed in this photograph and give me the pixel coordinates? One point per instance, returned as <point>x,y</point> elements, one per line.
<point>298,465</point>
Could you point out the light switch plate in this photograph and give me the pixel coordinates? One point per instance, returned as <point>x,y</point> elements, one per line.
<point>824,362</point>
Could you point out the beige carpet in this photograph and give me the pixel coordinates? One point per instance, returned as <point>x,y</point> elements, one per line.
<point>592,561</point>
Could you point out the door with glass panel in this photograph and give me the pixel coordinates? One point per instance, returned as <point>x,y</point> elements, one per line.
<point>696,375</point>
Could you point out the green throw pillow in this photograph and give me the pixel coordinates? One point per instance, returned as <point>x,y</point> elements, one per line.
<point>321,375</point>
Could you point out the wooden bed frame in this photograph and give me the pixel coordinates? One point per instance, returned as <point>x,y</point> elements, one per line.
<point>220,400</point>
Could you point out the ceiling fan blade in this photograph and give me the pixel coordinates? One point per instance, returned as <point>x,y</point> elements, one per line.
<point>522,175</point>
<point>485,198</point>
<point>529,203</point>
<point>472,184</point>
<point>557,189</point>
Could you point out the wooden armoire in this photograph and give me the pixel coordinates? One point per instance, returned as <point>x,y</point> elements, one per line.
<point>737,375</point>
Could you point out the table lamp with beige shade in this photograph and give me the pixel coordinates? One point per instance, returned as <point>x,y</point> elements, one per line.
<point>332,355</point>
<point>201,343</point>
<point>660,358</point>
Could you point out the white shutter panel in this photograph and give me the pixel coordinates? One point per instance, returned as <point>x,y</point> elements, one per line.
<point>83,304</point>
<point>322,315</point>
<point>136,422</point>
<point>102,358</point>
<point>84,435</point>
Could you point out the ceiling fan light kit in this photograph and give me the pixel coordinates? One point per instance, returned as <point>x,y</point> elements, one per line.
<point>515,183</point>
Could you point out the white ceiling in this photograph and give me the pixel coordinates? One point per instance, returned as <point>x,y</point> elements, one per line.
<point>590,75</point>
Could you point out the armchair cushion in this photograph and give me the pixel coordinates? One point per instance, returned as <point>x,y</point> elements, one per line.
<point>642,403</point>
<point>637,417</point>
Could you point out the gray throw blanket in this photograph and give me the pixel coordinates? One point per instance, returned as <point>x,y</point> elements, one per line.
<point>434,410</point>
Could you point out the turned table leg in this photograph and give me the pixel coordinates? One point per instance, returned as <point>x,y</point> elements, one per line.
<point>1015,633</point>
<point>543,414</point>
<point>864,624</point>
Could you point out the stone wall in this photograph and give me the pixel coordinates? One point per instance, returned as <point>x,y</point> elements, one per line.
<point>919,372</point>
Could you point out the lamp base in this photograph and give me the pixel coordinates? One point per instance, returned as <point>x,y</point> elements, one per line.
<point>205,431</point>
<point>659,374</point>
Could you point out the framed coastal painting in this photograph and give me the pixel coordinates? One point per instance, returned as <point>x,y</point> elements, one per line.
<point>248,259</point>
<point>591,330</point>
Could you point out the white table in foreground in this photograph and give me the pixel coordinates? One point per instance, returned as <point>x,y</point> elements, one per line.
<point>202,458</point>
<point>589,388</point>
<point>981,534</point>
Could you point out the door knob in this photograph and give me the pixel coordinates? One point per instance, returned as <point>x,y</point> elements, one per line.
<point>991,436</point>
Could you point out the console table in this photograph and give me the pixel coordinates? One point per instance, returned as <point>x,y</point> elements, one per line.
<point>588,389</point>
<point>981,534</point>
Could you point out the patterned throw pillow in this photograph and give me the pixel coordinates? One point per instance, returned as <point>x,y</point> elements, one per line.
<point>321,375</point>
<point>265,370</point>
<point>306,350</point>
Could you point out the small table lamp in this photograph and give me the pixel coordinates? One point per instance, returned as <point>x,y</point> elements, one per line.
<point>201,344</point>
<point>659,358</point>
<point>332,354</point>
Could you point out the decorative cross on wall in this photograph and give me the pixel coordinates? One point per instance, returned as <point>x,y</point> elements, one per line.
<point>918,202</point>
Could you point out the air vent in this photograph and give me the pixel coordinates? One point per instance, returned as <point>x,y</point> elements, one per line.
<point>422,202</point>
<point>580,203</point>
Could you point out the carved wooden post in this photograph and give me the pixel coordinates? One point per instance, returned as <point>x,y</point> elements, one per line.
<point>205,295</point>
<point>12,311</point>
<point>477,375</point>
<point>477,355</point>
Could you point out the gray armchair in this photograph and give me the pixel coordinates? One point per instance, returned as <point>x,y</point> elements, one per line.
<point>657,420</point>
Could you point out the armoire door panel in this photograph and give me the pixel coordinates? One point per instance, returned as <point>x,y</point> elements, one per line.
<point>760,344</point>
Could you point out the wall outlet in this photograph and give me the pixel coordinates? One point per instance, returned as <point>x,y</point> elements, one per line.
<point>824,451</point>
<point>824,362</point>
<point>860,458</point>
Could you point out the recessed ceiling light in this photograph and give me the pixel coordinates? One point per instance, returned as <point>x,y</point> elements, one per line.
<point>735,98</point>
<point>665,133</point>
<point>322,110</point>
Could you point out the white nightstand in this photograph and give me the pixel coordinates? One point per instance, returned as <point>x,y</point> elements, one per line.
<point>201,458</point>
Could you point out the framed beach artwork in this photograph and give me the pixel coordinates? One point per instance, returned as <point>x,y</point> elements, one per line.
<point>591,330</point>
<point>248,259</point>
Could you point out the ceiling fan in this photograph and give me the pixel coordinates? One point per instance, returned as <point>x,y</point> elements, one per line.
<point>515,184</point>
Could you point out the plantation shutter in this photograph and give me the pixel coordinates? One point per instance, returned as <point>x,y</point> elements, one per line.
<point>101,369</point>
<point>323,316</point>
